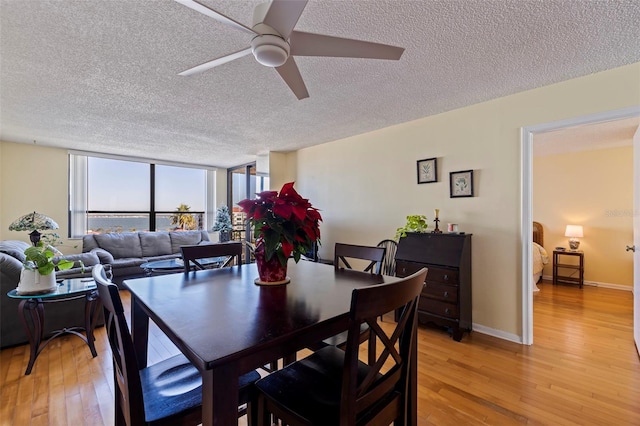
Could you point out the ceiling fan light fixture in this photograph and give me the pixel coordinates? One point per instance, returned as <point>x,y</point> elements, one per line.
<point>270,50</point>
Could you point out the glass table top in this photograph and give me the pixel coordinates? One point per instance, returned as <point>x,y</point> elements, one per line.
<point>179,263</point>
<point>64,288</point>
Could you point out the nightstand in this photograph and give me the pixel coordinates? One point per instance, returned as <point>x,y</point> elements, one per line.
<point>572,273</point>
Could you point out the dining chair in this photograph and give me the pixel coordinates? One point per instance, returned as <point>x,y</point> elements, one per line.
<point>191,255</point>
<point>166,393</point>
<point>349,251</point>
<point>389,260</point>
<point>332,387</point>
<point>343,252</point>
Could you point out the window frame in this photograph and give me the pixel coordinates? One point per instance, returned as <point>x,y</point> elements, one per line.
<point>78,192</point>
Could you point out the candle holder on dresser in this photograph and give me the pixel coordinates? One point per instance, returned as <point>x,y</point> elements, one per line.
<point>437,230</point>
<point>436,220</point>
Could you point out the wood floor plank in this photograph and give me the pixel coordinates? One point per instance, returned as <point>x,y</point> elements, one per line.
<point>583,368</point>
<point>9,396</point>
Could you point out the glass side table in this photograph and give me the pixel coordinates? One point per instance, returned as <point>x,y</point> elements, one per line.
<point>31,311</point>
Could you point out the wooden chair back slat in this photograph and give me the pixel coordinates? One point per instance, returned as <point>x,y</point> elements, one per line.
<point>389,261</point>
<point>192,254</point>
<point>343,252</point>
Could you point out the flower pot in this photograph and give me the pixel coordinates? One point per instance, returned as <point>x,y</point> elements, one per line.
<point>224,236</point>
<point>271,272</point>
<point>31,282</point>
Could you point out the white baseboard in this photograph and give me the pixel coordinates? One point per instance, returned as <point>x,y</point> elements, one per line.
<point>598,284</point>
<point>477,328</point>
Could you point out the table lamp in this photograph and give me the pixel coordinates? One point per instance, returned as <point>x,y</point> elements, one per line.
<point>33,222</point>
<point>574,232</point>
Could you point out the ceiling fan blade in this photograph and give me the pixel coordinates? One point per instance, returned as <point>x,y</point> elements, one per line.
<point>291,75</point>
<point>192,4</point>
<point>309,44</point>
<point>283,15</point>
<point>214,63</point>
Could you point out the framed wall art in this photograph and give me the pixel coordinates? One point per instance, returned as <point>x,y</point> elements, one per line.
<point>461,184</point>
<point>427,170</point>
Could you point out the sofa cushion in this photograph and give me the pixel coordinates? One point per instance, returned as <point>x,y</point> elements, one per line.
<point>155,243</point>
<point>87,259</point>
<point>126,244</point>
<point>124,262</point>
<point>184,238</point>
<point>10,269</point>
<point>89,242</point>
<point>104,256</point>
<point>14,248</point>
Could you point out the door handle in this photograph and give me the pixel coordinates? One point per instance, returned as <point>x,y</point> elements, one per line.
<point>630,248</point>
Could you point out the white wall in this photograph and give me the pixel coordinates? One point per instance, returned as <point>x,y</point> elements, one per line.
<point>365,185</point>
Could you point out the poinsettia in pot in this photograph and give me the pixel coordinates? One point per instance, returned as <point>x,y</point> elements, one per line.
<point>285,225</point>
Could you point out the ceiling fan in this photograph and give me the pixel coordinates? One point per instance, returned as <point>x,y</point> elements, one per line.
<point>275,43</point>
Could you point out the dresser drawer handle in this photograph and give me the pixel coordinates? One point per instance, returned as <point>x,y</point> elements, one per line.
<point>447,311</point>
<point>446,294</point>
<point>446,277</point>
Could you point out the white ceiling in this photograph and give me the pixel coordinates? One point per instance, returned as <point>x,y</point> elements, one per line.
<point>102,76</point>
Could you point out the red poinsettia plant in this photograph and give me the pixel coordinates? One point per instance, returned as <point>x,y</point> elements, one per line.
<point>285,223</point>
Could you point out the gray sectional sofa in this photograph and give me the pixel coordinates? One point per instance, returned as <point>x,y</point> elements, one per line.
<point>126,251</point>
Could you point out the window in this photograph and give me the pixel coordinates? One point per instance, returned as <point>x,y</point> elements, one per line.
<point>114,195</point>
<point>243,182</point>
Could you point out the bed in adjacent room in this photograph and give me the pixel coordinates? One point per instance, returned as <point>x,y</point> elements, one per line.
<point>540,256</point>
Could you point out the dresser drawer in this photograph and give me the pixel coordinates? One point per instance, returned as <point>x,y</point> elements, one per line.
<point>404,268</point>
<point>436,290</point>
<point>447,276</point>
<point>437,307</point>
<point>442,275</point>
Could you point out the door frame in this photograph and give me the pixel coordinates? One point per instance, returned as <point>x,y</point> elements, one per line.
<point>526,226</point>
<point>636,240</point>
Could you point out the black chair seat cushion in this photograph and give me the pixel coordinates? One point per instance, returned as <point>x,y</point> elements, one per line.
<point>174,386</point>
<point>311,387</point>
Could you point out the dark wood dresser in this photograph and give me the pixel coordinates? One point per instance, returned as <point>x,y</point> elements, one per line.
<point>446,297</point>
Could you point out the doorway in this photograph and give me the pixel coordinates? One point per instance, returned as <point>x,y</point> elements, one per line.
<point>527,201</point>
<point>243,182</point>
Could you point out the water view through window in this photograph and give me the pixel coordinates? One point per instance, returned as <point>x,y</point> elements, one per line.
<point>128,196</point>
<point>100,223</point>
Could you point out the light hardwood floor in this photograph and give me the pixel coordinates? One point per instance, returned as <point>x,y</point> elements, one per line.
<point>582,369</point>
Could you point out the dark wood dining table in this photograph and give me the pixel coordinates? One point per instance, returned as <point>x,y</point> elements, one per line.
<point>226,325</point>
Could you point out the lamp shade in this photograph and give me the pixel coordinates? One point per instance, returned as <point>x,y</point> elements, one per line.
<point>573,231</point>
<point>33,222</point>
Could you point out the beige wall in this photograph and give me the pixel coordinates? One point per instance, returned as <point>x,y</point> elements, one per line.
<point>593,189</point>
<point>365,185</point>
<point>282,169</point>
<point>34,178</point>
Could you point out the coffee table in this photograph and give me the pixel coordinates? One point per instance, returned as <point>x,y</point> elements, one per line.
<point>173,265</point>
<point>32,306</point>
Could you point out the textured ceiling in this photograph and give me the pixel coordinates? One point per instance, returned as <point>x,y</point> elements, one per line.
<point>604,135</point>
<point>102,76</point>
